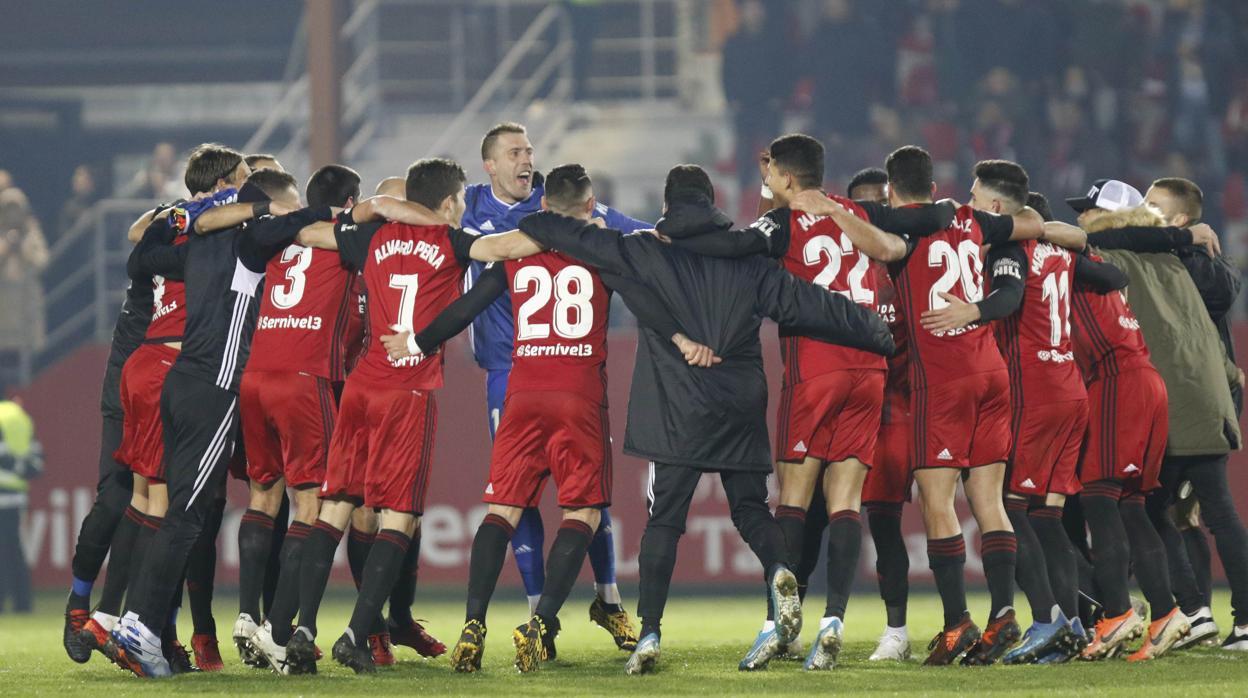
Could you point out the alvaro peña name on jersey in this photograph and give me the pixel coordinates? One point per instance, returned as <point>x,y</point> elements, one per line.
<point>534,350</point>
<point>427,251</point>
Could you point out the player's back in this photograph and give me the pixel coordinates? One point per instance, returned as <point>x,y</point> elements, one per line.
<point>948,261</point>
<point>560,314</point>
<point>168,321</point>
<point>411,274</point>
<point>1035,339</point>
<point>820,253</point>
<point>1106,335</point>
<point>307,305</point>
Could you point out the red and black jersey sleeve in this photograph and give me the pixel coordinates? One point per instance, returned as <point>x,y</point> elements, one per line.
<point>461,244</point>
<point>996,229</point>
<point>353,240</point>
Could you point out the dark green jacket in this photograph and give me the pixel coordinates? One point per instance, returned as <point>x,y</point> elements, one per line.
<point>1186,350</point>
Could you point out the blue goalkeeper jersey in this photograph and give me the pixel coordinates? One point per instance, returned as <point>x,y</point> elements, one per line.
<point>493,330</point>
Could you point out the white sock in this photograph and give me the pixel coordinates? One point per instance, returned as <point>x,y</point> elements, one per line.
<point>533,599</point>
<point>1007,609</point>
<point>609,593</point>
<point>769,625</point>
<point>826,621</point>
<point>899,632</point>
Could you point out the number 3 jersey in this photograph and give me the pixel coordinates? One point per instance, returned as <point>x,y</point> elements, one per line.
<point>308,305</point>
<point>1035,339</point>
<point>948,261</point>
<point>560,312</point>
<point>412,273</point>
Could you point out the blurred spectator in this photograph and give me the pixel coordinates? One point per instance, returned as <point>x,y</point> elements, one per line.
<point>82,195</point>
<point>21,460</point>
<point>23,254</point>
<point>837,57</point>
<point>756,84</point>
<point>159,179</point>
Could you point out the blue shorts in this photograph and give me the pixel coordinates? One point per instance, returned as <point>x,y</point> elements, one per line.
<point>495,394</point>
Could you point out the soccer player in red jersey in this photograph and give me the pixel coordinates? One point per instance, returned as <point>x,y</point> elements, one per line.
<point>555,420</point>
<point>1121,462</point>
<point>1049,416</point>
<point>382,445</point>
<point>286,402</point>
<point>959,388</point>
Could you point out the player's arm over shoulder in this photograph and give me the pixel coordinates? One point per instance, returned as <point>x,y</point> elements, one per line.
<point>493,248</point>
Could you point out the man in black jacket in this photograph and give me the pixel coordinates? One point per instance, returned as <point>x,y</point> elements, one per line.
<point>688,422</point>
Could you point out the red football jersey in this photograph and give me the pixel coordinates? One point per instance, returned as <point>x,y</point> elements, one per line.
<point>560,310</point>
<point>412,274</point>
<point>1035,340</point>
<point>821,253</point>
<point>1107,337</point>
<point>947,261</point>
<point>304,315</point>
<point>169,306</point>
<point>356,333</point>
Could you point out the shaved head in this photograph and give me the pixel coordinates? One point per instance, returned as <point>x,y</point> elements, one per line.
<point>393,186</point>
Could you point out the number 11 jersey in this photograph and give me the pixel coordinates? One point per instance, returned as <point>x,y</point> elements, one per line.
<point>948,261</point>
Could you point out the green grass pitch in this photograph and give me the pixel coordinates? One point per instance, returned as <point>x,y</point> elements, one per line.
<point>704,637</point>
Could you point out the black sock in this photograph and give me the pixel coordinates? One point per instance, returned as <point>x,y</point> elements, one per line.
<point>489,549</point>
<point>142,542</point>
<point>1030,566</point>
<point>381,570</point>
<point>1111,549</point>
<point>273,566</point>
<point>999,551</point>
<point>1059,554</point>
<point>286,599</point>
<point>947,559</point>
<point>844,546</point>
<point>792,522</point>
<point>358,545</point>
<point>201,571</point>
<point>649,626</point>
<point>563,564</point>
<point>317,560</point>
<point>404,593</point>
<point>255,542</point>
<point>1148,557</point>
<point>812,541</point>
<point>892,563</point>
<point>119,561</point>
<point>1202,560</point>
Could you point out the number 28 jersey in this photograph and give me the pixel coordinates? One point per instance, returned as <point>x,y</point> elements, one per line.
<point>560,311</point>
<point>820,253</point>
<point>948,261</point>
<point>412,273</point>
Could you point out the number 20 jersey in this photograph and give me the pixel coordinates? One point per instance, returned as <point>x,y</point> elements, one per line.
<point>412,273</point>
<point>560,311</point>
<point>304,315</point>
<point>820,253</point>
<point>948,261</point>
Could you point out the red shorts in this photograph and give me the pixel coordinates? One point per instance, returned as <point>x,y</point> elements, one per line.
<point>559,434</point>
<point>831,417</point>
<point>382,448</point>
<point>888,481</point>
<point>1127,426</point>
<point>962,423</point>
<point>1047,440</point>
<point>143,438</point>
<point>288,420</point>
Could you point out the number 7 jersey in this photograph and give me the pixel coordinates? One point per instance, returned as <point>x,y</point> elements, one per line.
<point>948,261</point>
<point>412,273</point>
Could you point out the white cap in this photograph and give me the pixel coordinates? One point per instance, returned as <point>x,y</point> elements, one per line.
<point>1109,194</point>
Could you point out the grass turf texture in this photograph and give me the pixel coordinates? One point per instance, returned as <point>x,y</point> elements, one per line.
<point>704,637</point>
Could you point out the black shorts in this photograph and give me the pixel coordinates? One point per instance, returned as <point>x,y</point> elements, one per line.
<point>110,393</point>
